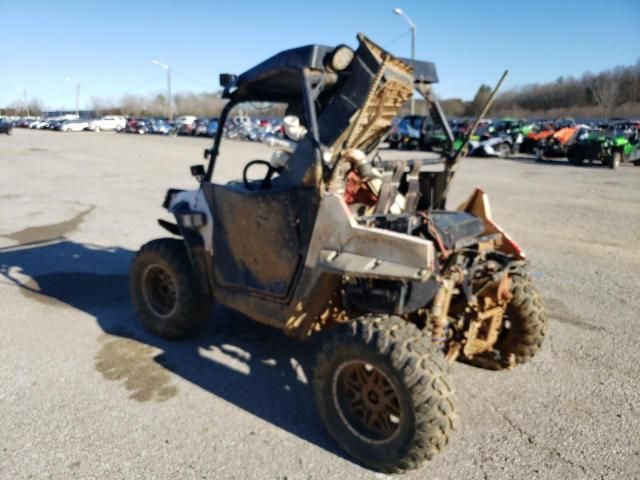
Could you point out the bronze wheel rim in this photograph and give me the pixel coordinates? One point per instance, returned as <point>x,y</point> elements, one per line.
<point>159,290</point>
<point>367,401</point>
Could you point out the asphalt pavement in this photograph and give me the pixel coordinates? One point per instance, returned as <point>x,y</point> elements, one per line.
<point>85,392</point>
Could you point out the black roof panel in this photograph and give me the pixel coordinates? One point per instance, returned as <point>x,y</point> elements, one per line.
<point>279,77</point>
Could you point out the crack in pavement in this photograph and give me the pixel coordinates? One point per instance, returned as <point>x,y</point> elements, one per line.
<point>530,438</point>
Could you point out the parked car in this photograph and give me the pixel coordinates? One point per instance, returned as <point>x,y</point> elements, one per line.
<point>24,123</point>
<point>77,125</point>
<point>138,125</point>
<point>185,128</point>
<point>212,127</point>
<point>160,126</point>
<point>185,119</point>
<point>108,122</point>
<point>56,124</point>
<point>200,127</point>
<point>38,124</point>
<point>5,127</point>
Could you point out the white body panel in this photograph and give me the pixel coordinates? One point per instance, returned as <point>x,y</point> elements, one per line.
<point>198,203</point>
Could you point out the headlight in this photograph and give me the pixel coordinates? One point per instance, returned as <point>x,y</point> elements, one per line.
<point>341,58</point>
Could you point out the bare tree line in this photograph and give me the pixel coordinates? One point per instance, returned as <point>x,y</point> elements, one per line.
<point>199,104</point>
<point>614,92</point>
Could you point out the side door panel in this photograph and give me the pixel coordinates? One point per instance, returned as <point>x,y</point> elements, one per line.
<point>256,239</point>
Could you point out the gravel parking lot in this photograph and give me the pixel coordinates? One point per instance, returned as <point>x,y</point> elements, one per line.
<point>87,393</point>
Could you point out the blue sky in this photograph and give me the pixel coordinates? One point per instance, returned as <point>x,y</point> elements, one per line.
<point>107,46</point>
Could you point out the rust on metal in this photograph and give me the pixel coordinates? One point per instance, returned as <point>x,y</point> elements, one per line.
<point>370,402</point>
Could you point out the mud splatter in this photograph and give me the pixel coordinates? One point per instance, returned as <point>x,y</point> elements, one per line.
<point>134,364</point>
<point>49,232</point>
<point>558,311</point>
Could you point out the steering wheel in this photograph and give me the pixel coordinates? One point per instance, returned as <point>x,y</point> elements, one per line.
<point>266,181</point>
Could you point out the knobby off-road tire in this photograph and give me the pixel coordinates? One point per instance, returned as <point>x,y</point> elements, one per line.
<point>503,150</point>
<point>383,393</point>
<point>528,322</point>
<point>574,158</point>
<point>165,291</point>
<point>615,160</point>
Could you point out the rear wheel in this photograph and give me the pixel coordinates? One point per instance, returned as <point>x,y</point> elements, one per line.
<point>574,158</point>
<point>503,150</point>
<point>525,323</point>
<point>382,392</point>
<point>165,291</point>
<point>615,160</point>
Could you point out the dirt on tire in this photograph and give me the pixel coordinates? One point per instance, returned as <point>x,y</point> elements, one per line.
<point>418,372</point>
<point>191,307</point>
<point>528,322</point>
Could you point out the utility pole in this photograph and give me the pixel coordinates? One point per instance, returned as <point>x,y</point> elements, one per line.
<point>26,105</point>
<point>168,69</point>
<point>169,106</point>
<point>398,11</point>
<point>78,100</point>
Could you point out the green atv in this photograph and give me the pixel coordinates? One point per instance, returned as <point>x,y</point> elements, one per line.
<point>610,147</point>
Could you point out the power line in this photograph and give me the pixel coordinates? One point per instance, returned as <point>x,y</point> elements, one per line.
<point>127,90</point>
<point>53,99</point>
<point>397,39</point>
<point>182,75</point>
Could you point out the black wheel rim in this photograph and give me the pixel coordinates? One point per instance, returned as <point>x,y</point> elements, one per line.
<point>159,290</point>
<point>367,401</point>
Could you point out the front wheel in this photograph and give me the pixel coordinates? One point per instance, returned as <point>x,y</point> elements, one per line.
<point>165,291</point>
<point>382,391</point>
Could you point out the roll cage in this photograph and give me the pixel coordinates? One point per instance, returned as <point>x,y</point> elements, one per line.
<point>307,77</point>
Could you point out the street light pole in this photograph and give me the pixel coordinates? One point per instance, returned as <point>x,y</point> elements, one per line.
<point>168,69</point>
<point>398,11</point>
<point>78,100</point>
<point>26,105</point>
<point>169,102</point>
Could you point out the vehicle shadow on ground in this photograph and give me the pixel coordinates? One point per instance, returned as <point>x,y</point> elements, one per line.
<point>556,162</point>
<point>252,366</point>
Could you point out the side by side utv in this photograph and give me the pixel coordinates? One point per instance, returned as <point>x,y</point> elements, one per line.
<point>557,144</point>
<point>417,132</point>
<point>611,147</point>
<point>337,242</point>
